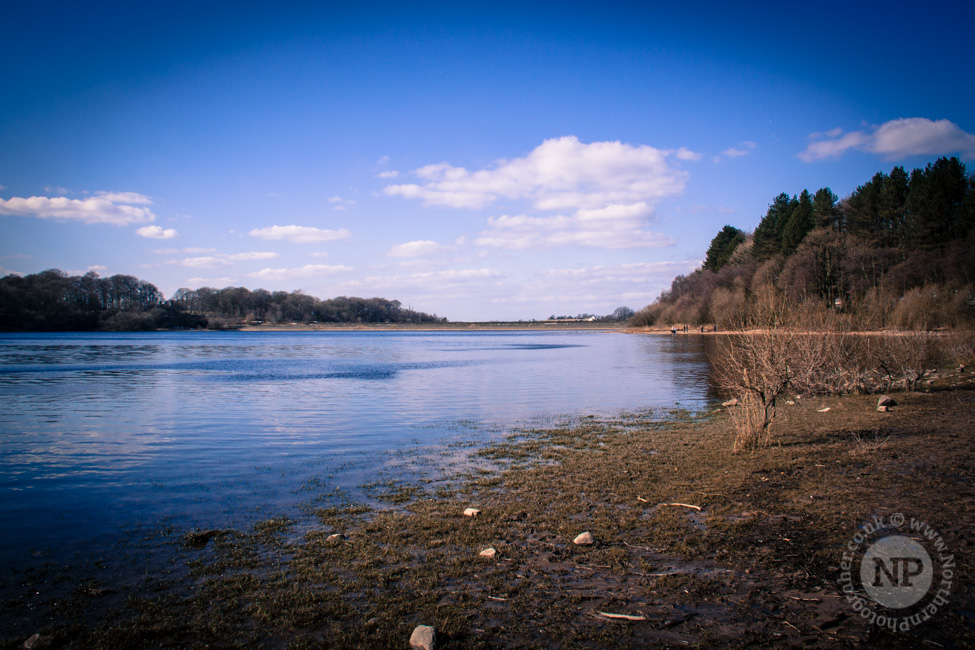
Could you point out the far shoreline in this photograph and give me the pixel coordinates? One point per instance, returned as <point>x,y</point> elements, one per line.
<point>488,326</point>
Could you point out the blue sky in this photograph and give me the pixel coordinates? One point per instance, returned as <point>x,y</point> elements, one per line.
<point>476,160</point>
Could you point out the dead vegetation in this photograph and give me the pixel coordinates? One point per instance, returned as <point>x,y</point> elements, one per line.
<point>757,368</point>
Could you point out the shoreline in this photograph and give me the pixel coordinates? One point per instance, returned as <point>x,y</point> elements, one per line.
<point>529,326</point>
<point>696,545</point>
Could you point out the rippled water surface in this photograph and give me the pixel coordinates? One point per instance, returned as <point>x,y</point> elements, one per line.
<point>99,432</point>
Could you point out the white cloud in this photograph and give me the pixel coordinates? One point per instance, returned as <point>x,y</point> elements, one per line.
<point>307,271</point>
<point>416,249</point>
<point>206,262</point>
<point>125,197</point>
<point>614,226</point>
<point>113,208</point>
<point>382,161</point>
<point>559,174</point>
<point>392,173</point>
<point>201,282</point>
<point>97,268</point>
<point>300,234</point>
<point>833,148</point>
<point>257,255</point>
<point>188,251</point>
<point>895,140</point>
<point>155,232</point>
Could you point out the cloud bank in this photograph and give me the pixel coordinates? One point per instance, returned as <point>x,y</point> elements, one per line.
<point>559,174</point>
<point>615,226</point>
<point>307,271</point>
<point>112,208</point>
<point>299,234</point>
<point>894,140</point>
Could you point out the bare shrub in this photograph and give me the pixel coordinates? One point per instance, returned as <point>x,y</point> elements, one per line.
<point>958,347</point>
<point>755,369</point>
<point>749,420</point>
<point>908,356</point>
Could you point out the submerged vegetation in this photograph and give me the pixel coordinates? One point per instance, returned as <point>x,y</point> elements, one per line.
<point>55,301</point>
<point>899,252</point>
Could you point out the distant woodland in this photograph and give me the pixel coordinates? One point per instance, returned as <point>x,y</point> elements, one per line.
<point>899,252</point>
<point>54,301</point>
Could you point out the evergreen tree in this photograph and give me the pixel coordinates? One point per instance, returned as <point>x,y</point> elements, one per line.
<point>799,223</point>
<point>768,234</point>
<point>722,247</point>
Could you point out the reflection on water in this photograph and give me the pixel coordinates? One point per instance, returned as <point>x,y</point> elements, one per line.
<point>102,431</point>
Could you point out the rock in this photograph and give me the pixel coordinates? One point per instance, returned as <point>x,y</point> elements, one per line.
<point>37,641</point>
<point>886,400</point>
<point>334,538</point>
<point>200,538</point>
<point>961,368</point>
<point>424,637</point>
<point>731,402</point>
<point>883,409</point>
<point>488,553</point>
<point>825,409</point>
<point>790,403</point>
<point>471,512</point>
<point>584,539</point>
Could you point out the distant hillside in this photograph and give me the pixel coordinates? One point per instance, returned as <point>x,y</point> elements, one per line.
<point>898,252</point>
<point>54,301</point>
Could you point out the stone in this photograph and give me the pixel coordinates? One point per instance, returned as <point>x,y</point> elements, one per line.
<point>731,402</point>
<point>200,538</point>
<point>886,400</point>
<point>488,553</point>
<point>424,637</point>
<point>825,409</point>
<point>883,409</point>
<point>584,539</point>
<point>37,641</point>
<point>335,538</point>
<point>471,512</point>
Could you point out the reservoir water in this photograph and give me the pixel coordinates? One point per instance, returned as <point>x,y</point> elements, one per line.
<point>104,433</point>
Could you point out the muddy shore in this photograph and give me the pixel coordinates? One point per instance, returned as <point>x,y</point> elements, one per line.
<point>694,546</point>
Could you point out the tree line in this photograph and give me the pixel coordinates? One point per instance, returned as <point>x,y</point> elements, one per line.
<point>898,252</point>
<point>55,301</point>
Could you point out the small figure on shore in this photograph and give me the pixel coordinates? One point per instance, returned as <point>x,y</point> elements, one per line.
<point>673,329</point>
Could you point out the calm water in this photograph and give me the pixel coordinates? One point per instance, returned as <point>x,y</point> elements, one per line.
<point>100,433</point>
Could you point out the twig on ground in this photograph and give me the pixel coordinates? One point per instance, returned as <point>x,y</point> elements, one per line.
<point>623,617</point>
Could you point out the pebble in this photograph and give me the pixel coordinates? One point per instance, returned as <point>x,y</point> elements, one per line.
<point>424,637</point>
<point>471,512</point>
<point>488,553</point>
<point>37,641</point>
<point>731,402</point>
<point>334,538</point>
<point>584,539</point>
